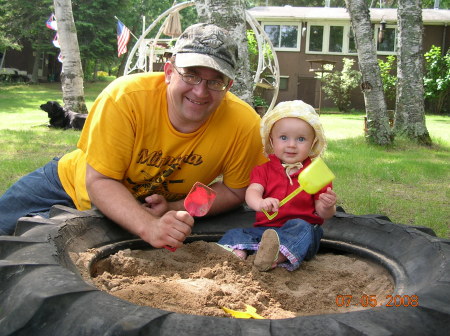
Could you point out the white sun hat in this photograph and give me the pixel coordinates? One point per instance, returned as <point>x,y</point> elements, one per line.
<point>294,109</point>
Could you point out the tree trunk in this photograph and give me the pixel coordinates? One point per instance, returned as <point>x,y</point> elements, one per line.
<point>3,59</point>
<point>35,73</point>
<point>410,106</point>
<point>231,16</point>
<point>378,129</point>
<point>72,72</point>
<point>95,76</point>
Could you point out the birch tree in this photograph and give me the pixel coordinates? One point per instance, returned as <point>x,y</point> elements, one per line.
<point>230,15</point>
<point>72,72</point>
<point>378,129</point>
<point>410,106</point>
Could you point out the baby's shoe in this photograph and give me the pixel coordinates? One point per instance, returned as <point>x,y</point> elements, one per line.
<point>267,253</point>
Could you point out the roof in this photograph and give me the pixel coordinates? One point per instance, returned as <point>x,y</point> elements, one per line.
<point>285,13</point>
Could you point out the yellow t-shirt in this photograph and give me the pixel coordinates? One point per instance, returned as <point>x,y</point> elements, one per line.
<point>128,137</point>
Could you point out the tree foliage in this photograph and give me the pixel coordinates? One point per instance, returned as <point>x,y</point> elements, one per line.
<point>95,24</point>
<point>437,79</point>
<point>24,20</point>
<point>388,76</point>
<point>253,52</point>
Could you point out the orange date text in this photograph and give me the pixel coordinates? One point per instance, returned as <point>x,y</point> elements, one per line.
<point>372,301</point>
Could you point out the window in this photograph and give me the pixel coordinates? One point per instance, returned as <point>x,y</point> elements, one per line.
<point>388,45</point>
<point>283,37</point>
<point>315,38</point>
<point>332,38</point>
<point>336,39</point>
<point>284,82</point>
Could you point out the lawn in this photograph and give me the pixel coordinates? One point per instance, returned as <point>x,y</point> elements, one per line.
<point>406,182</point>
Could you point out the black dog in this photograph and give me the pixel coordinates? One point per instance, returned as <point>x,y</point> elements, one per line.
<point>62,118</point>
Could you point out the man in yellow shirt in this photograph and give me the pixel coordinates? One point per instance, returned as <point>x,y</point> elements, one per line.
<point>148,138</point>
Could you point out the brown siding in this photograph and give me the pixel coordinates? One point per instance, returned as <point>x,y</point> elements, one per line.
<point>24,60</point>
<point>302,84</point>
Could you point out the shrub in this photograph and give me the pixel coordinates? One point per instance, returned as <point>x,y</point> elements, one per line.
<point>437,78</point>
<point>388,77</point>
<point>337,85</point>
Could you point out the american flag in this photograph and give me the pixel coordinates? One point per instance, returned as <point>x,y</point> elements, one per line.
<point>56,41</point>
<point>123,36</point>
<point>51,22</point>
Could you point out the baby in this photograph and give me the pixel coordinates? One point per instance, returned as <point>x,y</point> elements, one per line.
<point>292,136</point>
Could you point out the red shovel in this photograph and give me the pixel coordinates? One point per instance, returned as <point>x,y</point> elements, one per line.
<point>198,202</point>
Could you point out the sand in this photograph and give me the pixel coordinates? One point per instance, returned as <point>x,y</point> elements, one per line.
<point>201,277</point>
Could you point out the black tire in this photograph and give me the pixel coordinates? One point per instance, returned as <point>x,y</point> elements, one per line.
<point>42,292</point>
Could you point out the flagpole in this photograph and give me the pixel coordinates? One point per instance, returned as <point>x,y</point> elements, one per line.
<point>115,17</point>
<point>143,24</point>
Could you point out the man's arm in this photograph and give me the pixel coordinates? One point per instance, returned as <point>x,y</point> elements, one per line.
<point>114,200</point>
<point>227,198</point>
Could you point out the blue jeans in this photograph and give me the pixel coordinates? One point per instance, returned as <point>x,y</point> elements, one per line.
<point>299,240</point>
<point>33,194</point>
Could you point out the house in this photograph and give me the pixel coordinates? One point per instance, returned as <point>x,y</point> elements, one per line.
<point>305,38</point>
<point>22,62</point>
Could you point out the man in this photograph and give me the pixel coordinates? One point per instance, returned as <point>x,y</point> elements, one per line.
<point>148,138</point>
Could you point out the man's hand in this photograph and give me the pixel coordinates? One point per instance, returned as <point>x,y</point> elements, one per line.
<point>171,229</point>
<point>113,199</point>
<point>156,205</point>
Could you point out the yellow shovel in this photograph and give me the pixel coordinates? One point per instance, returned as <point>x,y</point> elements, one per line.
<point>250,312</point>
<point>313,178</point>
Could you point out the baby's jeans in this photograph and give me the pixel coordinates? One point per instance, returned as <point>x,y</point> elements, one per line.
<point>299,240</point>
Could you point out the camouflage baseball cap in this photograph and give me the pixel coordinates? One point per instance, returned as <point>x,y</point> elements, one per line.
<point>207,45</point>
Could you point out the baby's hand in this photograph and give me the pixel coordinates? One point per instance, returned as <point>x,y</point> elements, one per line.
<point>328,198</point>
<point>269,204</point>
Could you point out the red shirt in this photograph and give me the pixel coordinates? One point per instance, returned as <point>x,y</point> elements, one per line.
<point>272,176</point>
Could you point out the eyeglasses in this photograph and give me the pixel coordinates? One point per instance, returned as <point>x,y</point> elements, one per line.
<point>212,84</point>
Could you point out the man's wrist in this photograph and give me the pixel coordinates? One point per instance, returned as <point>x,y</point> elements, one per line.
<point>177,205</point>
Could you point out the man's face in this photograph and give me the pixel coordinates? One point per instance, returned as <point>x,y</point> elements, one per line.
<point>191,105</point>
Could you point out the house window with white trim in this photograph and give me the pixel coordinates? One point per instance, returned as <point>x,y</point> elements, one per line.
<point>330,38</point>
<point>284,82</point>
<point>335,42</point>
<point>386,40</point>
<point>315,38</point>
<point>284,36</point>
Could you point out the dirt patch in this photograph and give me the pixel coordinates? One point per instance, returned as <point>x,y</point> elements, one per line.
<point>201,277</point>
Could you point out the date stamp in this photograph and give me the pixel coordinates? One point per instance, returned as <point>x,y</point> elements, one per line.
<point>373,301</point>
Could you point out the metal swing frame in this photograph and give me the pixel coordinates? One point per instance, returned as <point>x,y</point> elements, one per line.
<point>143,54</point>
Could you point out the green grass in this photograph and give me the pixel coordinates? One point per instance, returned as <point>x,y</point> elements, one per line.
<point>19,104</point>
<point>26,142</point>
<point>406,182</point>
